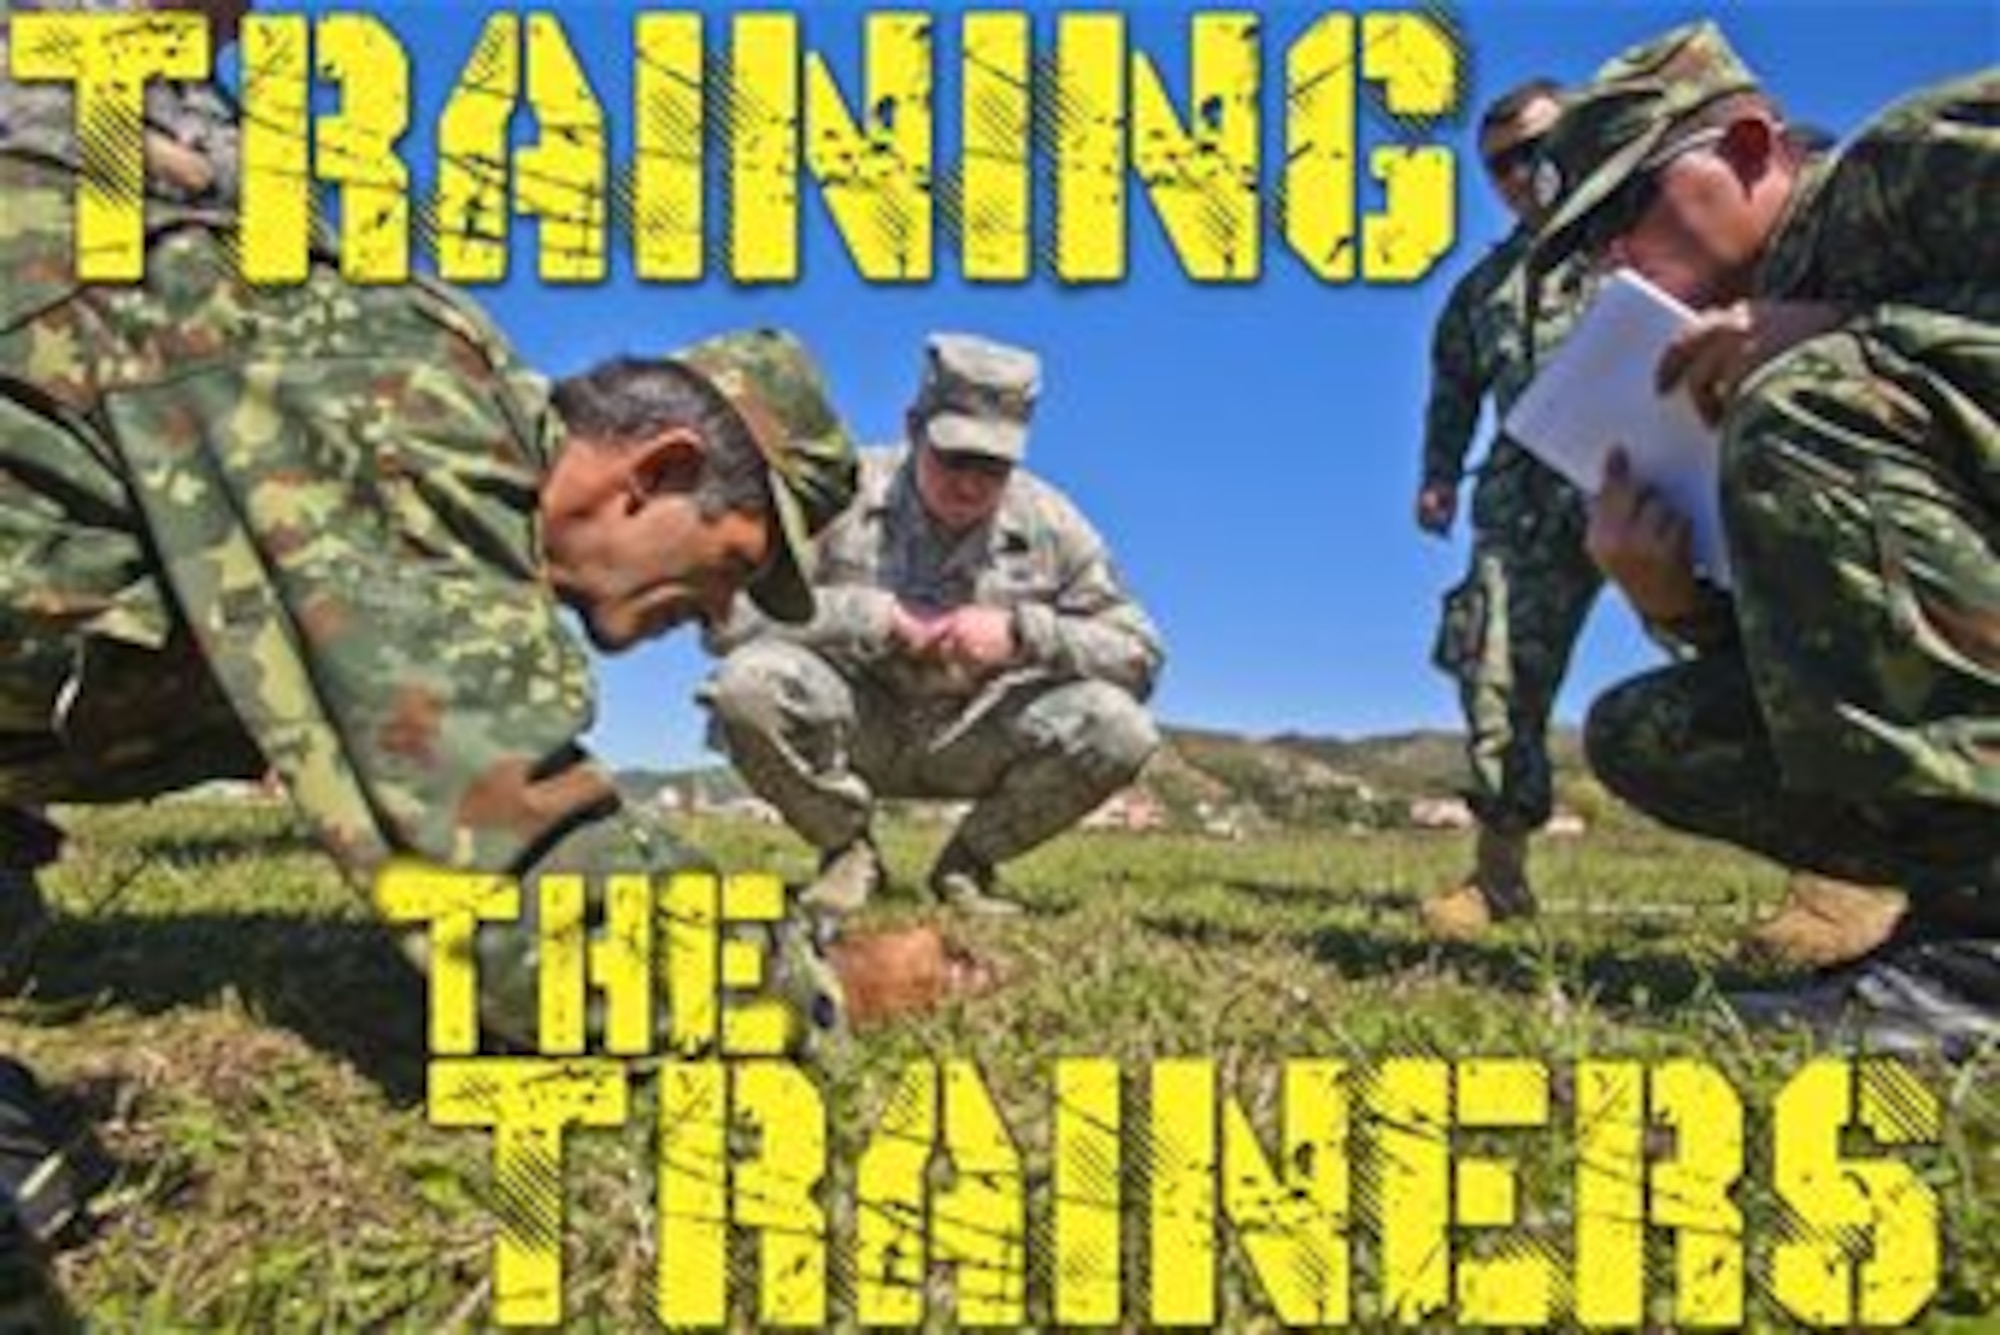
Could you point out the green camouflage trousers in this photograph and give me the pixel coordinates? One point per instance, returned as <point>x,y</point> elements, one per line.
<point>1509,629</point>
<point>1855,729</point>
<point>1035,757</point>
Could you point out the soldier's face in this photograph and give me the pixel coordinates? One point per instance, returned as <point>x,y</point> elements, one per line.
<point>961,492</point>
<point>1707,216</point>
<point>1508,150</point>
<point>629,548</point>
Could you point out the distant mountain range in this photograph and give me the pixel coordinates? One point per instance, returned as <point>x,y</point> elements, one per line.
<point>1201,775</point>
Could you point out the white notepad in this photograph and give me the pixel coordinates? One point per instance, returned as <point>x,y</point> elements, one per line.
<point>1597,393</point>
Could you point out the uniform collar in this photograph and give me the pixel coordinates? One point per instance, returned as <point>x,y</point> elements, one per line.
<point>1790,244</point>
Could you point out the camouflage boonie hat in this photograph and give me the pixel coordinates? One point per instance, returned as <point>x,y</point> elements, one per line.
<point>1625,123</point>
<point>978,396</point>
<point>770,381</point>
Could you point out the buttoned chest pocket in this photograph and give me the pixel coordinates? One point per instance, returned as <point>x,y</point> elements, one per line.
<point>1019,575</point>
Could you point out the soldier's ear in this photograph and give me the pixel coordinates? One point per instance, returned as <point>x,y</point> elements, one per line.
<point>669,462</point>
<point>1749,145</point>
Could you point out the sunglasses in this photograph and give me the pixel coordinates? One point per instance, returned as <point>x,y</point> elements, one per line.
<point>975,463</point>
<point>1515,156</point>
<point>980,464</point>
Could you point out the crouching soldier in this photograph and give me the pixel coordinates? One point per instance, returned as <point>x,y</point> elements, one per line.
<point>973,641</point>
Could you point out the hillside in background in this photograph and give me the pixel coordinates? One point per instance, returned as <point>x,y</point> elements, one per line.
<point>1209,779</point>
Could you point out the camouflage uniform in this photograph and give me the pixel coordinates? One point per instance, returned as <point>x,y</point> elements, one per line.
<point>40,118</point>
<point>825,718</point>
<point>1508,630</point>
<point>297,527</point>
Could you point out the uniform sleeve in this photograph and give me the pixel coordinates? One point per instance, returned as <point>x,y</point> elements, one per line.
<point>850,624</point>
<point>1909,220</point>
<point>1710,628</point>
<point>346,512</point>
<point>1457,389</point>
<point>1093,628</point>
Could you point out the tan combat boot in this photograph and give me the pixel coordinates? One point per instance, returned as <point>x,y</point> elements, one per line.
<point>1496,891</point>
<point>1824,922</point>
<point>966,883</point>
<point>847,878</point>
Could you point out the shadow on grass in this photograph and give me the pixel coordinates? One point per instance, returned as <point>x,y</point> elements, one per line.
<point>1620,977</point>
<point>342,986</point>
<point>1283,895</point>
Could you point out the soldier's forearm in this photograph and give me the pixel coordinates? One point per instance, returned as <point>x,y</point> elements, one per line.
<point>1101,648</point>
<point>1930,316</point>
<point>1448,429</point>
<point>180,166</point>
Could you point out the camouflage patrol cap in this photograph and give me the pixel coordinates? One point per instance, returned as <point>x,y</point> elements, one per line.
<point>1629,120</point>
<point>777,393</point>
<point>978,396</point>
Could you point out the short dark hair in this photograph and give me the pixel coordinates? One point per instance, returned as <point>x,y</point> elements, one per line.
<point>627,399</point>
<point>1518,99</point>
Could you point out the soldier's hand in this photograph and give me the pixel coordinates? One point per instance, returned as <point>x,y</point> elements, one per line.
<point>1712,357</point>
<point>981,638</point>
<point>1643,546</point>
<point>180,166</point>
<point>1437,508</point>
<point>885,975</point>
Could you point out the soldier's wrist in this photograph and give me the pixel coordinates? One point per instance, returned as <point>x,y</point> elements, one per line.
<point>1034,629</point>
<point>1709,622</point>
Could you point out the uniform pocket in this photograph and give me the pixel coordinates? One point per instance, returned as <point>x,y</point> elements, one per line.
<point>1461,635</point>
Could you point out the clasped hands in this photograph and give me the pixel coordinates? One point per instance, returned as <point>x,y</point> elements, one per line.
<point>973,638</point>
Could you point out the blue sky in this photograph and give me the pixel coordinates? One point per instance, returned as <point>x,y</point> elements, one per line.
<point>1251,453</point>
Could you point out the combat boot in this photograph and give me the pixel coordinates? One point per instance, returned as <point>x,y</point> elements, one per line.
<point>1496,891</point>
<point>847,878</point>
<point>24,912</point>
<point>27,844</point>
<point>1824,922</point>
<point>966,883</point>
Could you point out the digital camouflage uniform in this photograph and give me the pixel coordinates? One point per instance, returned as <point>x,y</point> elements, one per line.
<point>297,527</point>
<point>1508,630</point>
<point>40,118</point>
<point>825,718</point>
<point>1843,709</point>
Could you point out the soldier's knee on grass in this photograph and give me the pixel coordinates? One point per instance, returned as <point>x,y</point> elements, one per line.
<point>1618,741</point>
<point>27,841</point>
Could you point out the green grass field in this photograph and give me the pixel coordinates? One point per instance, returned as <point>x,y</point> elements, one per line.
<point>252,1050</point>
